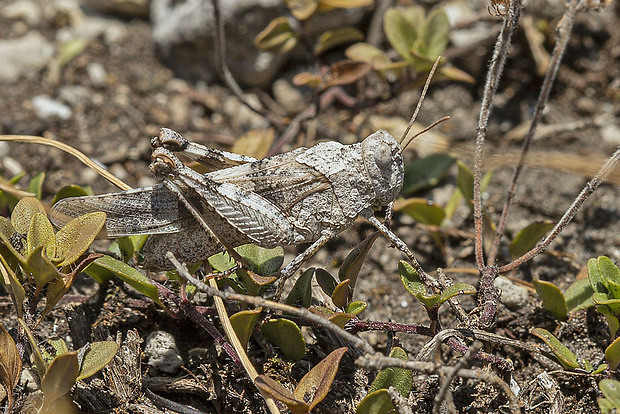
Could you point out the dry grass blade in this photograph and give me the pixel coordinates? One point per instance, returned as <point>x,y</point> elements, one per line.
<point>30,139</point>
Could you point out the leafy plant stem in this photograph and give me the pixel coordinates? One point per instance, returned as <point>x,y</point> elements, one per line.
<point>564,31</point>
<point>258,301</point>
<point>496,67</point>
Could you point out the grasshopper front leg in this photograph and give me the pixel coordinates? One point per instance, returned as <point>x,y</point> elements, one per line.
<point>299,260</point>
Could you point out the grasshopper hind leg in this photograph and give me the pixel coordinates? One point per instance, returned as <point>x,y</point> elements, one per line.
<point>191,246</point>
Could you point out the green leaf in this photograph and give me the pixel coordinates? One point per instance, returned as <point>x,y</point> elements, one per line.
<point>35,185</point>
<point>319,380</point>
<point>455,74</point>
<point>377,402</point>
<point>42,268</point>
<point>399,378</point>
<point>326,281</point>
<point>426,173</point>
<point>610,275</point>
<point>287,336</point>
<point>612,354</point>
<point>552,299</point>
<point>465,182</point>
<point>410,279</point>
<point>456,289</point>
<point>401,29</point>
<point>352,264</point>
<point>15,287</point>
<point>243,323</point>
<point>579,295</point>
<point>77,236</point>
<point>262,261</point>
<point>612,320</point>
<point>611,390</point>
<point>60,377</point>
<point>23,212</point>
<point>436,33</point>
<point>70,50</point>
<point>340,319</point>
<point>363,52</point>
<point>123,246</point>
<point>277,391</point>
<point>606,406</point>
<point>422,210</point>
<point>302,9</point>
<point>278,37</point>
<point>332,38</point>
<point>594,275</point>
<point>356,307</point>
<point>341,294</point>
<point>97,356</point>
<point>527,238</point>
<point>70,191</point>
<point>41,233</point>
<point>129,275</point>
<point>564,355</point>
<point>301,293</point>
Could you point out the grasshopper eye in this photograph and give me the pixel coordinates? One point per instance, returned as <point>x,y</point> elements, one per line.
<point>383,156</point>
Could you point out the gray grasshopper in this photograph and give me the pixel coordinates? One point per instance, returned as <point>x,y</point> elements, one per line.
<point>307,195</point>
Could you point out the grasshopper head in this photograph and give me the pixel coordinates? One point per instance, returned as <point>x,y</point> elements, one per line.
<point>384,162</point>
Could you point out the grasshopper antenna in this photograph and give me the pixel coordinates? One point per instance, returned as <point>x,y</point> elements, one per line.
<point>417,109</point>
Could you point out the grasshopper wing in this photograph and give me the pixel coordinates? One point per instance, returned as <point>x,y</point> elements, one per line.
<point>149,210</point>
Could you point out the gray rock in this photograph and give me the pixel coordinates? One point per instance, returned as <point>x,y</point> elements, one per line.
<point>610,132</point>
<point>25,10</point>
<point>74,95</point>
<point>184,36</point>
<point>24,56</point>
<point>47,108</point>
<point>289,97</point>
<point>162,351</point>
<point>97,74</point>
<point>513,296</point>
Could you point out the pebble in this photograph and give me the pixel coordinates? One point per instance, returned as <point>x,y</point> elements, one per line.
<point>11,166</point>
<point>5,149</point>
<point>162,351</point>
<point>513,296</point>
<point>25,10</point>
<point>289,97</point>
<point>47,108</point>
<point>610,133</point>
<point>96,74</point>
<point>28,379</point>
<point>24,56</point>
<point>74,95</point>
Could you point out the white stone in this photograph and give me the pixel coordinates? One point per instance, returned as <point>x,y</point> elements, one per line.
<point>162,351</point>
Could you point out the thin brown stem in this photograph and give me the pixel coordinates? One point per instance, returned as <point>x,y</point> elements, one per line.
<point>564,30</point>
<point>495,69</point>
<point>592,185</point>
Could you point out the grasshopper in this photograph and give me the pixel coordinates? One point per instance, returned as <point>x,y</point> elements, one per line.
<point>307,195</point>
